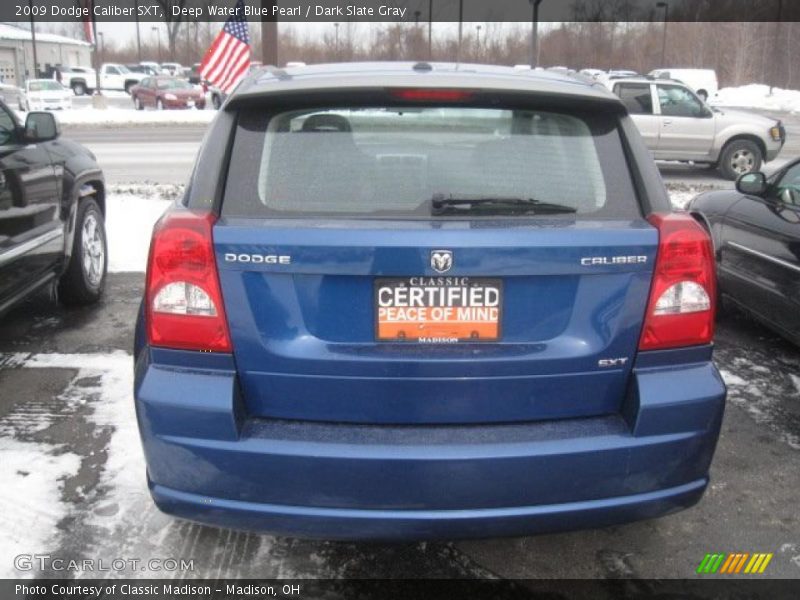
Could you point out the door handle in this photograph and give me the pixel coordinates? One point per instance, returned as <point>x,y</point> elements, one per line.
<point>667,121</point>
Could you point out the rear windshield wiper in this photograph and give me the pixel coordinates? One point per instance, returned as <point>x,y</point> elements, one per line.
<point>441,205</point>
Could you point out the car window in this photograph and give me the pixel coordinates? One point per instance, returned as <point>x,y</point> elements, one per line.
<point>7,126</point>
<point>112,70</point>
<point>788,188</point>
<point>387,161</point>
<point>677,101</point>
<point>173,84</point>
<point>42,86</point>
<point>636,97</point>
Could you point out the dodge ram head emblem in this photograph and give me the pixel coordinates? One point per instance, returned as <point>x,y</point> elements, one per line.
<point>441,260</point>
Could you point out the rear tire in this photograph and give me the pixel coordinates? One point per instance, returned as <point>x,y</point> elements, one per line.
<point>79,88</point>
<point>128,86</point>
<point>137,103</point>
<point>84,280</point>
<point>703,95</point>
<point>159,104</point>
<point>216,101</point>
<point>739,157</point>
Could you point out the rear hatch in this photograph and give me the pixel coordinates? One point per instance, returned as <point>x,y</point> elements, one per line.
<point>432,263</point>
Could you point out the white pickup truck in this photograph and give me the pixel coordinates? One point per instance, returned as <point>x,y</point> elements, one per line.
<point>81,80</point>
<point>113,76</point>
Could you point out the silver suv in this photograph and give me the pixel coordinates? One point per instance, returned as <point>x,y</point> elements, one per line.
<point>677,125</point>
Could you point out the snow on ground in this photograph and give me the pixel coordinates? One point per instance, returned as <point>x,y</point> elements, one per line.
<point>129,116</point>
<point>758,96</point>
<point>123,484</point>
<point>30,499</point>
<point>129,224</point>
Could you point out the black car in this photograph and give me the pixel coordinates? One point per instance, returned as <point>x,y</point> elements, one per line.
<point>756,233</point>
<point>52,207</point>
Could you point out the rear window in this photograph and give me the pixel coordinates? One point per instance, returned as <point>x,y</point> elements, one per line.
<point>394,161</point>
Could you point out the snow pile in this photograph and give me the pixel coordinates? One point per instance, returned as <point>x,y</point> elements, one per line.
<point>164,191</point>
<point>758,96</point>
<point>129,116</point>
<point>129,224</point>
<point>680,194</point>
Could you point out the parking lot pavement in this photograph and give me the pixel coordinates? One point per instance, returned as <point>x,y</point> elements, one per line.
<point>74,482</point>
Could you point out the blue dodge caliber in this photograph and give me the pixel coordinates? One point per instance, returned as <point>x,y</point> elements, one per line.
<point>426,301</point>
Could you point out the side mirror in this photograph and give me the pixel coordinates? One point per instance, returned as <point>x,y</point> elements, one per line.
<point>41,127</point>
<point>752,184</point>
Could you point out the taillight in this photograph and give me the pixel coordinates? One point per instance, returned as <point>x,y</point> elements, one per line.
<point>184,304</point>
<point>432,95</point>
<point>680,311</point>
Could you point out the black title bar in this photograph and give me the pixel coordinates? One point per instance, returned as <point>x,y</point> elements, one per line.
<point>408,11</point>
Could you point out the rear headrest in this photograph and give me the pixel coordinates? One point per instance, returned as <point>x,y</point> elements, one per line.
<point>327,122</point>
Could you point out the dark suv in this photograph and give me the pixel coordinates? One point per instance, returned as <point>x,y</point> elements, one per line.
<point>52,206</point>
<point>421,301</point>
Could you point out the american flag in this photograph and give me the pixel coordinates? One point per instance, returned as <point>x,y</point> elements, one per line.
<point>228,58</point>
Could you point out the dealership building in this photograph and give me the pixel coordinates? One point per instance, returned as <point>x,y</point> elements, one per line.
<point>16,53</point>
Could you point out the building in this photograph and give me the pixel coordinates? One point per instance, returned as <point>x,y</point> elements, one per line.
<point>16,53</point>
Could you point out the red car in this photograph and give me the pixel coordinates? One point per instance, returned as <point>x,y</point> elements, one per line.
<point>167,92</point>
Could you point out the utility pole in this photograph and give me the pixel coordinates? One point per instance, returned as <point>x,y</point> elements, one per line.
<point>778,45</point>
<point>138,34</point>
<point>33,43</point>
<point>158,36</point>
<point>535,33</point>
<point>269,33</point>
<point>460,29</point>
<point>665,6</point>
<point>98,100</point>
<point>430,29</point>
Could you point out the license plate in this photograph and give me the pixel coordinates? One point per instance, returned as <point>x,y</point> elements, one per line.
<point>438,310</point>
<point>190,103</point>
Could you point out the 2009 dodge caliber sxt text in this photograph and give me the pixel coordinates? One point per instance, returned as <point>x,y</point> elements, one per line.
<point>426,301</point>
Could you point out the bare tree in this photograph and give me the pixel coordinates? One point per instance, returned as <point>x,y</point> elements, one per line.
<point>172,21</point>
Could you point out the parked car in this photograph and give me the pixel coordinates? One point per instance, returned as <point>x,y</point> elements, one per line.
<point>164,92</point>
<point>146,69</point>
<point>214,95</point>
<point>119,77</point>
<point>621,73</point>
<point>81,80</point>
<point>702,81</point>
<point>194,74</point>
<point>756,233</point>
<point>172,69</point>
<point>592,73</point>
<point>12,95</point>
<point>677,125</point>
<point>414,301</point>
<point>47,94</point>
<point>52,207</point>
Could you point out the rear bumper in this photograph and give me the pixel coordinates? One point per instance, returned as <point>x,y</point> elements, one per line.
<point>337,523</point>
<point>209,462</point>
